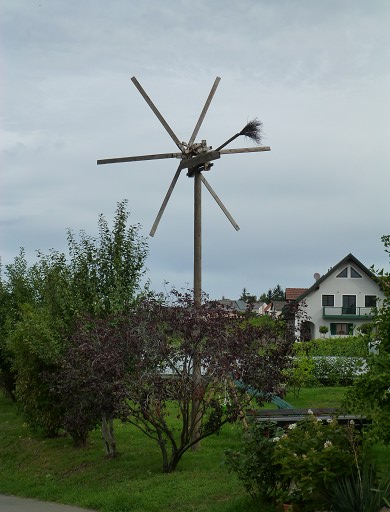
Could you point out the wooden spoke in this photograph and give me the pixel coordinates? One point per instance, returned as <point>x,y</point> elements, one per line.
<point>219,202</point>
<point>204,111</point>
<point>157,113</point>
<point>165,202</point>
<point>138,158</point>
<point>244,150</point>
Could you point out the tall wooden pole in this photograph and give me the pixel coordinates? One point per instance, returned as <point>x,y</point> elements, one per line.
<point>197,237</point>
<point>196,419</point>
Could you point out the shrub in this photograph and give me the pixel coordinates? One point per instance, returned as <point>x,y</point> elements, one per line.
<point>337,370</point>
<point>324,329</point>
<point>311,455</point>
<point>253,463</point>
<point>328,362</point>
<point>302,373</point>
<point>298,464</point>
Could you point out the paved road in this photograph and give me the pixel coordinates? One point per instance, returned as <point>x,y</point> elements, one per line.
<point>13,504</point>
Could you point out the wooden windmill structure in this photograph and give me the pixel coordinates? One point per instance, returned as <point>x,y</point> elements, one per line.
<point>196,157</point>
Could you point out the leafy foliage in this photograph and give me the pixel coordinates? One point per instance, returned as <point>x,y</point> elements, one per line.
<point>247,297</point>
<point>302,371</point>
<point>337,370</point>
<point>35,347</point>
<point>174,338</point>
<point>253,462</point>
<point>15,290</point>
<point>298,464</point>
<point>91,382</point>
<point>311,455</point>
<point>371,393</point>
<point>276,293</point>
<point>361,491</point>
<point>328,362</point>
<point>324,329</point>
<point>43,303</point>
<point>348,346</point>
<point>106,271</point>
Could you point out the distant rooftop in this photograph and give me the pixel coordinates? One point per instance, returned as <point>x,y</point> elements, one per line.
<point>235,305</point>
<point>294,293</point>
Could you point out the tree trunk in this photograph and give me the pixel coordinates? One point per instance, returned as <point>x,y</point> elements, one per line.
<point>170,465</point>
<point>196,416</point>
<point>108,437</point>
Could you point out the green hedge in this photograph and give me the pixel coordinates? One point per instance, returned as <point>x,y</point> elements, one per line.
<point>348,346</point>
<point>328,362</point>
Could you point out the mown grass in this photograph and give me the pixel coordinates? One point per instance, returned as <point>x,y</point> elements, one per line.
<point>51,469</point>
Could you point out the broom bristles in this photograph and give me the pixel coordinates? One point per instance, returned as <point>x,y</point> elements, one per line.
<point>253,130</point>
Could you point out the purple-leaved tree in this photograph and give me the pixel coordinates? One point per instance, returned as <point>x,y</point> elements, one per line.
<point>168,334</point>
<point>139,366</point>
<point>92,383</point>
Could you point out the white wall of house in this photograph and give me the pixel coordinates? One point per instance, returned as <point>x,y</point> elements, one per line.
<point>335,294</point>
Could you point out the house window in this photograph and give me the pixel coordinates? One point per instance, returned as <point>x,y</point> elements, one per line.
<point>370,301</point>
<point>328,300</point>
<point>343,273</point>
<point>355,273</point>
<point>341,329</point>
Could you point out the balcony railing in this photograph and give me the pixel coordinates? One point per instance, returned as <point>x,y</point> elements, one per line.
<point>346,312</point>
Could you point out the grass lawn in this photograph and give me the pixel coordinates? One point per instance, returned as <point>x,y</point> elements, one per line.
<point>51,469</point>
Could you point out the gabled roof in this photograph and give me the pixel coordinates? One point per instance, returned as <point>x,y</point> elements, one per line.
<point>344,261</point>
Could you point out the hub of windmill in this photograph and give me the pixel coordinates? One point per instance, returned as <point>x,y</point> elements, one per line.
<point>200,160</point>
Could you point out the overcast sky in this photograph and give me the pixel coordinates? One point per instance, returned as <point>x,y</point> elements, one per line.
<point>315,72</point>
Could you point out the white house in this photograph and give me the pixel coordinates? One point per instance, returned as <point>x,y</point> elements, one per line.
<point>342,299</point>
<point>274,308</point>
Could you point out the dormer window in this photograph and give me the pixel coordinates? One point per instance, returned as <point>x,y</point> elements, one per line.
<point>343,273</point>
<point>355,273</point>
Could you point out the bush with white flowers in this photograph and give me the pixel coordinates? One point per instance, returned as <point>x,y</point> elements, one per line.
<point>297,464</point>
<point>310,455</point>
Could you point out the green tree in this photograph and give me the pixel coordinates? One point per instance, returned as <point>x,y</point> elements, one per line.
<point>247,297</point>
<point>36,345</point>
<point>371,393</point>
<point>106,280</point>
<point>100,277</point>
<point>36,337</point>
<point>107,270</point>
<point>276,293</point>
<point>15,290</point>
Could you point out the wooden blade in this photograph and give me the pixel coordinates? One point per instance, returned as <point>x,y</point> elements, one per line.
<point>157,113</point>
<point>244,150</point>
<point>219,202</point>
<point>204,111</point>
<point>165,202</point>
<point>138,158</point>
